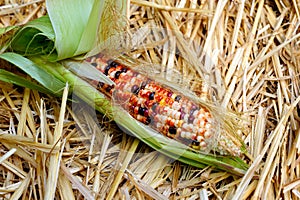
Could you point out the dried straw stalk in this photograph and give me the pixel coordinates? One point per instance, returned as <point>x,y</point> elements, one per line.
<point>247,51</point>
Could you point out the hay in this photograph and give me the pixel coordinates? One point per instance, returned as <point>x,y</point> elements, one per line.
<point>248,55</point>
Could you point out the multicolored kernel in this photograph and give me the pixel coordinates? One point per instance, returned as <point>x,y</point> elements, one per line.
<point>164,110</point>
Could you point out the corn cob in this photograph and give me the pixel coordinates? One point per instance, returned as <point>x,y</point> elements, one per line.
<point>166,111</point>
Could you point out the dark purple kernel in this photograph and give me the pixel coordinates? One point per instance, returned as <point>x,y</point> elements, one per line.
<point>108,88</point>
<point>124,70</point>
<point>107,68</point>
<point>142,111</point>
<point>151,95</point>
<point>191,112</point>
<point>94,64</point>
<point>135,89</point>
<point>172,130</point>
<point>195,143</point>
<point>148,121</point>
<point>112,63</point>
<point>177,98</point>
<point>182,114</point>
<point>143,85</point>
<point>194,107</point>
<point>100,84</point>
<point>117,74</point>
<point>191,119</point>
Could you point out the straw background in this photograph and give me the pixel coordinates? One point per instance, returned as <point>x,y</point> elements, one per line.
<point>252,67</point>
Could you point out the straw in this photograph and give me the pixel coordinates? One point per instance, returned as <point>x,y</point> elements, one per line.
<point>245,54</point>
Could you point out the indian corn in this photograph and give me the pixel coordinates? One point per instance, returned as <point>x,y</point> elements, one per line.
<point>167,111</point>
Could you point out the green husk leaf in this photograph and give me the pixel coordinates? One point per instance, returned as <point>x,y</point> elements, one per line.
<point>79,87</point>
<point>21,81</point>
<point>69,25</point>
<point>37,37</point>
<point>89,35</point>
<point>46,79</point>
<point>86,27</point>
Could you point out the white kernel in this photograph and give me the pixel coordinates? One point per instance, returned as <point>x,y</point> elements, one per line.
<point>176,105</point>
<point>188,135</point>
<point>158,125</point>
<point>200,138</point>
<point>166,109</point>
<point>179,131</point>
<point>195,122</point>
<point>140,101</point>
<point>177,115</point>
<point>139,76</point>
<point>202,123</point>
<point>185,126</point>
<point>169,113</point>
<point>186,118</point>
<point>129,73</point>
<point>191,126</point>
<point>133,80</point>
<point>195,129</point>
<point>174,113</point>
<point>201,116</point>
<point>200,131</point>
<point>203,144</point>
<point>183,134</point>
<point>195,113</point>
<point>163,119</point>
<point>112,74</point>
<point>208,126</point>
